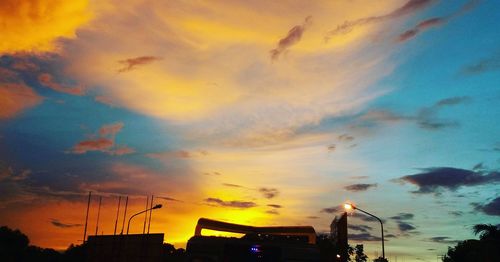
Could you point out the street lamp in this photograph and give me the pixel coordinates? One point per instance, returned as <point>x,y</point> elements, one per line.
<point>155,207</point>
<point>349,206</point>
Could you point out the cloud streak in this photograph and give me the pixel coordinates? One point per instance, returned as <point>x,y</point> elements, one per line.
<point>410,7</point>
<point>105,142</point>
<point>292,38</point>
<point>133,63</point>
<point>233,203</point>
<point>359,187</point>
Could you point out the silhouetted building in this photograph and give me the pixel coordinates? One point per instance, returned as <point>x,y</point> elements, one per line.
<point>297,243</point>
<point>342,238</point>
<point>125,248</point>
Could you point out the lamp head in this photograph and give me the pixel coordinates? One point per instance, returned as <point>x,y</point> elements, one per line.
<point>349,206</point>
<point>157,206</point>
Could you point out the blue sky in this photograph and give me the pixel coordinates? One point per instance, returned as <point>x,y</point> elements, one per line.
<point>253,112</point>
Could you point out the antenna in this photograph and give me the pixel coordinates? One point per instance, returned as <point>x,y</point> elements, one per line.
<point>145,215</point>
<point>150,213</point>
<point>124,215</point>
<point>86,218</point>
<point>117,213</point>
<point>98,214</point>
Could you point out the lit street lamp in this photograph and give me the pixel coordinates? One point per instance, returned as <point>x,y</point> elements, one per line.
<point>155,207</point>
<point>349,206</point>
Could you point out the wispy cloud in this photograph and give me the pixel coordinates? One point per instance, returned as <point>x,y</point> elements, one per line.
<point>17,97</point>
<point>274,206</point>
<point>434,179</point>
<point>293,37</point>
<point>363,237</point>
<point>57,223</point>
<point>232,203</point>
<point>403,216</point>
<point>269,192</point>
<point>331,210</point>
<point>133,63</point>
<point>435,21</point>
<point>410,7</point>
<point>443,240</point>
<point>362,228</point>
<point>104,142</point>
<point>48,81</point>
<point>359,187</point>
<point>487,64</point>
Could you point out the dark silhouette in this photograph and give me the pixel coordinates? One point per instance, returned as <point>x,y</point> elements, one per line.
<point>360,255</point>
<point>380,259</point>
<point>485,249</point>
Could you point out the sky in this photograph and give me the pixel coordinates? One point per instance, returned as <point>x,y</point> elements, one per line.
<point>252,112</point>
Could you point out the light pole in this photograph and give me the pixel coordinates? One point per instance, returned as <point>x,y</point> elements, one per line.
<point>155,207</point>
<point>349,206</point>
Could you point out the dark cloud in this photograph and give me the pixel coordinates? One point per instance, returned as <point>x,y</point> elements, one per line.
<point>364,237</point>
<point>234,203</point>
<point>364,217</point>
<point>404,227</point>
<point>312,217</point>
<point>362,228</point>
<point>456,213</point>
<point>436,178</point>
<point>484,65</point>
<point>359,187</point>
<point>132,63</point>
<point>359,177</point>
<point>444,240</point>
<point>169,199</point>
<point>492,208</point>
<point>345,138</point>
<point>293,37</point>
<point>273,212</point>
<point>403,216</point>
<point>57,223</point>
<point>331,147</point>
<point>269,192</point>
<point>275,206</point>
<point>232,185</point>
<point>410,7</point>
<point>331,210</point>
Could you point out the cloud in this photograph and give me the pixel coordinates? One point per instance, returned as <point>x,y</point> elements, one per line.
<point>132,63</point>
<point>293,37</point>
<point>359,187</point>
<point>273,212</point>
<point>364,217</point>
<point>169,199</point>
<point>177,154</point>
<point>492,208</point>
<point>403,216</point>
<point>363,237</point>
<point>456,213</point>
<point>484,65</point>
<point>274,206</point>
<point>331,210</point>
<point>15,98</point>
<point>422,26</point>
<point>36,25</point>
<point>432,180</point>
<point>48,81</point>
<point>444,240</point>
<point>436,21</point>
<point>312,217</point>
<point>425,118</point>
<point>362,228</point>
<point>410,7</point>
<point>104,142</point>
<point>57,223</point>
<point>232,185</point>
<point>345,138</point>
<point>269,192</point>
<point>405,227</point>
<point>233,203</point>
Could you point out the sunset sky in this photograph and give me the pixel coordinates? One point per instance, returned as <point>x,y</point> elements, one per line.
<point>253,112</point>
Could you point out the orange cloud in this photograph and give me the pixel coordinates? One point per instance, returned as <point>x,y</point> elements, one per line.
<point>48,81</point>
<point>16,97</point>
<point>105,142</point>
<point>34,25</point>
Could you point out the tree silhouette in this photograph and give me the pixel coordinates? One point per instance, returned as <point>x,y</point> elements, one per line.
<point>485,249</point>
<point>360,255</point>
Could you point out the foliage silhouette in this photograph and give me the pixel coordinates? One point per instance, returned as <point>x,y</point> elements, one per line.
<point>485,249</point>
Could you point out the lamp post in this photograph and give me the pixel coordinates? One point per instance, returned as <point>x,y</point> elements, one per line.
<point>155,207</point>
<point>349,206</point>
